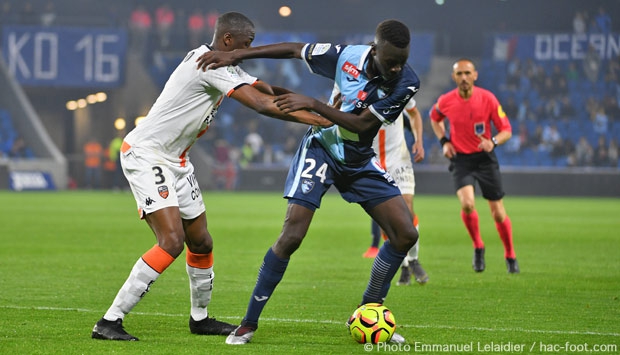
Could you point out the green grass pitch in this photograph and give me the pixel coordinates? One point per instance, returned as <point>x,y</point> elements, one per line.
<point>64,255</point>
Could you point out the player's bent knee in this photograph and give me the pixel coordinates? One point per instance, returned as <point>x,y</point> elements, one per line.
<point>286,245</point>
<point>405,241</point>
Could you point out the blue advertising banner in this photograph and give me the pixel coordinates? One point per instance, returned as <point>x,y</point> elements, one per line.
<point>65,56</point>
<point>31,180</point>
<point>552,47</point>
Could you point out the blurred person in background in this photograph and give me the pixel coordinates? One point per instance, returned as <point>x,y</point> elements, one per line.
<point>93,157</point>
<point>140,24</point>
<point>470,148</point>
<point>114,151</point>
<point>584,152</point>
<point>196,25</point>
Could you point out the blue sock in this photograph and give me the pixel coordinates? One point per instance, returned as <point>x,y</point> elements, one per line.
<point>383,270</point>
<point>375,230</point>
<point>269,275</point>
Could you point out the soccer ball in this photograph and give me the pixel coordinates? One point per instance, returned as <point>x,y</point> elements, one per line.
<point>372,323</point>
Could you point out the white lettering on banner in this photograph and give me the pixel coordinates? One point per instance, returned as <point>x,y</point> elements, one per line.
<point>15,58</point>
<point>28,180</point>
<point>95,59</point>
<point>574,47</point>
<point>36,54</point>
<point>43,41</point>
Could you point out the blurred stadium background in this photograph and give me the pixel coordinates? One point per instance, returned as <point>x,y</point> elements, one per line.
<point>76,72</point>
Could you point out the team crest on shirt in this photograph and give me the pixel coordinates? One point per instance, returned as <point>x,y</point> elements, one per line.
<point>381,93</point>
<point>232,73</point>
<point>307,186</point>
<point>163,191</point>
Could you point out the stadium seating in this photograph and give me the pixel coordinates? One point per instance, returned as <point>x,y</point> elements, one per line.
<point>570,128</point>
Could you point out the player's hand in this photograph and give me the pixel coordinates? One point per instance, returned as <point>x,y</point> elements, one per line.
<point>418,151</point>
<point>337,101</point>
<point>215,59</point>
<point>448,150</point>
<point>485,144</point>
<point>288,103</point>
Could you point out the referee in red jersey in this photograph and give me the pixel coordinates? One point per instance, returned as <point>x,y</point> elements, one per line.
<point>470,147</point>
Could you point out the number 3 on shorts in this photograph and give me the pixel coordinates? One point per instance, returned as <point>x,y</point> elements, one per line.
<point>159,174</point>
<point>320,172</point>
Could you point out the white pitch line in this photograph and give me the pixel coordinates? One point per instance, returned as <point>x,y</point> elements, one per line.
<point>521,330</point>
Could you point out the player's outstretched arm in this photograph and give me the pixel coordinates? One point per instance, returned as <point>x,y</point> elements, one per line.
<point>356,123</point>
<point>415,119</point>
<point>270,90</point>
<point>217,59</point>
<point>264,104</point>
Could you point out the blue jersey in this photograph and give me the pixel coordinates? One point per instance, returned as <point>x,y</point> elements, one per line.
<point>346,65</point>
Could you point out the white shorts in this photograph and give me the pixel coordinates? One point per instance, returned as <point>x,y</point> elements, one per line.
<point>156,183</point>
<point>401,169</point>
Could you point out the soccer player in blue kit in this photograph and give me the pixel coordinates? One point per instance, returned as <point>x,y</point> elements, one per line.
<point>375,84</point>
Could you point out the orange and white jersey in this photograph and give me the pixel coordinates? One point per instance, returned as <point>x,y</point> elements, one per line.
<point>185,108</point>
<point>389,143</point>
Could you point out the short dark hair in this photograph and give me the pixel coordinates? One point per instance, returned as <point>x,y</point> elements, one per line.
<point>234,23</point>
<point>394,32</point>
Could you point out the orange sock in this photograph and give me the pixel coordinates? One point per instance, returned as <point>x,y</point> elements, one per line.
<point>199,261</point>
<point>157,258</point>
<point>416,223</point>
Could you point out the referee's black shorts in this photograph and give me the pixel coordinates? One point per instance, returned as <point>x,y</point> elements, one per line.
<point>482,167</point>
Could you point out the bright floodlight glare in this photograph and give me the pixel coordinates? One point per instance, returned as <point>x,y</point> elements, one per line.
<point>120,123</point>
<point>91,99</point>
<point>81,103</point>
<point>101,96</point>
<point>439,2</point>
<point>71,105</point>
<point>285,11</point>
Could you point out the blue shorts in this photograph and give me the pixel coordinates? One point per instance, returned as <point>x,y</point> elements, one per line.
<point>313,171</point>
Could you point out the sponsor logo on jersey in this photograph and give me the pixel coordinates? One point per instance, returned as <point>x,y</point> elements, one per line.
<point>350,69</point>
<point>389,109</point>
<point>307,186</point>
<point>163,191</point>
<point>362,95</point>
<point>320,48</point>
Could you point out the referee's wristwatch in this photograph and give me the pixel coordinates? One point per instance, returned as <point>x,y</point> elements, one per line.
<point>494,140</point>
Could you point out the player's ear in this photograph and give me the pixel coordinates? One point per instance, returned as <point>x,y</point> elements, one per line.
<point>228,39</point>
